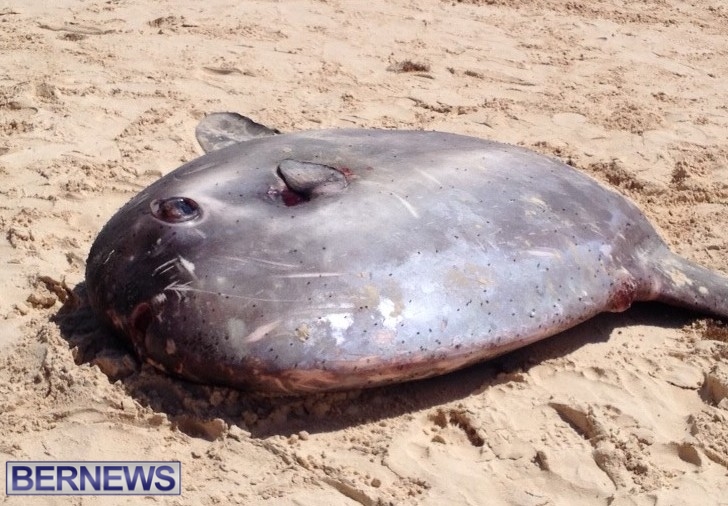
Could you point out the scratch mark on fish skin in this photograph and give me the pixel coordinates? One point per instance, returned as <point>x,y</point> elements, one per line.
<point>479,242</point>
<point>430,177</point>
<point>175,285</point>
<point>261,331</point>
<point>160,246</point>
<point>159,298</point>
<point>165,270</point>
<point>310,275</point>
<point>200,168</point>
<point>407,205</point>
<point>169,264</point>
<point>180,263</point>
<point>108,257</point>
<point>543,252</point>
<point>177,288</point>
<point>258,260</point>
<point>187,265</point>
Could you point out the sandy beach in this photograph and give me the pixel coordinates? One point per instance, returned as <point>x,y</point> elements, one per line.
<point>98,99</point>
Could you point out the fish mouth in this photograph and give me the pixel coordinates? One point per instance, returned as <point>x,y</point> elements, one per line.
<point>139,331</point>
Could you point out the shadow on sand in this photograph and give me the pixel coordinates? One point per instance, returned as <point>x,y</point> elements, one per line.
<point>197,409</point>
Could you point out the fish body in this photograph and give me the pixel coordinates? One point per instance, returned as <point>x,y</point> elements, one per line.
<point>348,258</point>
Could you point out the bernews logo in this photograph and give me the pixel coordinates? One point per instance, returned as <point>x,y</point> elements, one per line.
<point>93,478</point>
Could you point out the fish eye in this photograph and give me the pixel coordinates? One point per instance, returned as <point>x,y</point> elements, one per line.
<point>175,209</point>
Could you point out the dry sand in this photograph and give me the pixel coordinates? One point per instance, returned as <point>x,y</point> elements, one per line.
<point>100,98</point>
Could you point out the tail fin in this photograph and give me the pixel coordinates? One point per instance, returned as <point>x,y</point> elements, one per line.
<point>683,283</point>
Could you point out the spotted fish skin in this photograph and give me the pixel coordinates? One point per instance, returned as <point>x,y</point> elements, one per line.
<point>433,252</point>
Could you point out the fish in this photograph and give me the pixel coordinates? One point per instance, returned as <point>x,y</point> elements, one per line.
<point>291,263</point>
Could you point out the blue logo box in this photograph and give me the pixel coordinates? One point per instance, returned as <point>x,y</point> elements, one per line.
<point>93,478</point>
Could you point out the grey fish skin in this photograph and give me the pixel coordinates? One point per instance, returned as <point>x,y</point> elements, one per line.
<point>432,252</point>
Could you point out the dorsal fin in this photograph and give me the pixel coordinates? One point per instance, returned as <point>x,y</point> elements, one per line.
<point>222,129</point>
<point>311,179</point>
